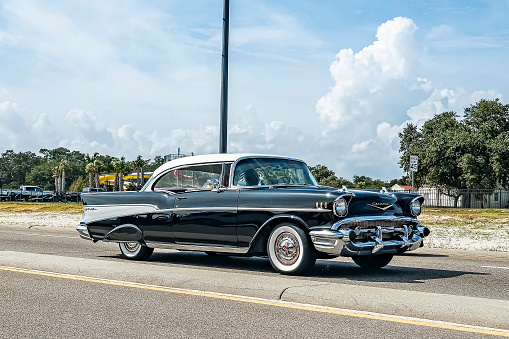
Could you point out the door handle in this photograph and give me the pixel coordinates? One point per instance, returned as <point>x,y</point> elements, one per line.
<point>161,217</point>
<point>180,198</point>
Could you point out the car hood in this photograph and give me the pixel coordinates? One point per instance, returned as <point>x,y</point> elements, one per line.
<point>360,202</point>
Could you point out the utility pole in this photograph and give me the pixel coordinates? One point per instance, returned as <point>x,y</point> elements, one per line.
<point>414,161</point>
<point>223,123</point>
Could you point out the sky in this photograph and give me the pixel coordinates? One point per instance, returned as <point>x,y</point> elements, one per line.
<point>330,82</point>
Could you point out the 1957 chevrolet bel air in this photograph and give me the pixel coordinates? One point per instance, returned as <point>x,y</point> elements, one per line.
<point>254,205</point>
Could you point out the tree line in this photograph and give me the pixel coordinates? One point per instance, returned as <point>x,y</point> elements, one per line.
<point>326,177</point>
<point>461,152</point>
<point>455,153</point>
<point>60,169</point>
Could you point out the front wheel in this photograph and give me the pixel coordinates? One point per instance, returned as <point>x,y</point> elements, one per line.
<point>289,250</point>
<point>372,261</point>
<point>135,251</point>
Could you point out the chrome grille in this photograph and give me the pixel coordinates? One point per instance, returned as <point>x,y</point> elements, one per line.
<point>373,222</point>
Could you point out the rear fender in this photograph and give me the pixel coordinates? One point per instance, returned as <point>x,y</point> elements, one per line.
<point>124,233</point>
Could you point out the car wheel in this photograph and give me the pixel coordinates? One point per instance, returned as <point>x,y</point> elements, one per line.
<point>289,250</point>
<point>135,251</point>
<point>372,261</point>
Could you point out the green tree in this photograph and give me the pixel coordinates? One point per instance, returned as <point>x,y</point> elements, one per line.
<point>326,177</point>
<point>41,175</point>
<point>457,154</point>
<point>15,167</point>
<point>120,167</point>
<point>488,131</point>
<point>93,169</point>
<point>138,166</point>
<point>158,161</point>
<point>78,185</point>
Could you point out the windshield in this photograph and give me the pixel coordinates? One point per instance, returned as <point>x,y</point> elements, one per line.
<point>267,171</point>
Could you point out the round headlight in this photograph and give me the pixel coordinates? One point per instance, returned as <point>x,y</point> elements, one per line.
<point>415,207</point>
<point>340,207</point>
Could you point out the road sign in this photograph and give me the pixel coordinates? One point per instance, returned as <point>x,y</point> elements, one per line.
<point>414,160</point>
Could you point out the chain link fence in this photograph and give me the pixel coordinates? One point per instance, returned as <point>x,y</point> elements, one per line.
<point>469,198</point>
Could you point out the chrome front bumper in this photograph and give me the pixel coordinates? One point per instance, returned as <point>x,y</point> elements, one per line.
<point>405,234</point>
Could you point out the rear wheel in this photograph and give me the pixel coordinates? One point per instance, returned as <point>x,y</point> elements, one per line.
<point>289,250</point>
<point>135,251</point>
<point>372,261</point>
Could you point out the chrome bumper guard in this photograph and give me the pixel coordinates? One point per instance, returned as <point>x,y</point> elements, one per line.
<point>83,231</point>
<point>342,241</point>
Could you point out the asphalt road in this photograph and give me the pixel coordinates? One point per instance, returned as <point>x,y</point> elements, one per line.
<point>455,286</point>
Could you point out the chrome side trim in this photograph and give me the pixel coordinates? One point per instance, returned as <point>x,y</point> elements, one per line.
<point>95,213</point>
<point>204,209</point>
<point>284,209</point>
<point>198,247</point>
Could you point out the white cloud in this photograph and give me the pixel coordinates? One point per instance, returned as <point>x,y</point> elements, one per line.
<point>13,128</point>
<point>377,92</point>
<point>369,84</point>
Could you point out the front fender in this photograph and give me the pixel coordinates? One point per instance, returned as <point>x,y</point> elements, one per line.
<point>259,242</point>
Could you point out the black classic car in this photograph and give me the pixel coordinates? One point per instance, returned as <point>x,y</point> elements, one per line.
<point>254,205</point>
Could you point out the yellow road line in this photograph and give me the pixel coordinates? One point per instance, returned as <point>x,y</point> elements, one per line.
<point>277,303</point>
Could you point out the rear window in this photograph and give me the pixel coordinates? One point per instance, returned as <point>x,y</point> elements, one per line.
<point>192,177</point>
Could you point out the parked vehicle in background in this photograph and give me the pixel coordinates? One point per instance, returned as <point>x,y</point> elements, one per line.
<point>4,195</point>
<point>34,193</point>
<point>92,190</point>
<point>254,205</point>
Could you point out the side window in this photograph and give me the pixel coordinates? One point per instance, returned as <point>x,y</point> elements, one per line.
<point>192,177</point>
<point>246,174</point>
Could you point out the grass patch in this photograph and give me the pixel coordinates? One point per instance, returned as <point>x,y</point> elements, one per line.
<point>467,213</point>
<point>31,207</point>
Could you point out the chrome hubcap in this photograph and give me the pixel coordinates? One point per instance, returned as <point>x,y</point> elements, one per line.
<point>286,248</point>
<point>132,246</point>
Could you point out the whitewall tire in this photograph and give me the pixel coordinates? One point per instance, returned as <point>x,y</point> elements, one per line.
<point>135,251</point>
<point>289,250</point>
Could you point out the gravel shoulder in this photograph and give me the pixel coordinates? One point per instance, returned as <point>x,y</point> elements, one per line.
<point>53,220</point>
<point>478,231</point>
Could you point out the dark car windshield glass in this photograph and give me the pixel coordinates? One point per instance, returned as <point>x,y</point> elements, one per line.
<point>266,171</point>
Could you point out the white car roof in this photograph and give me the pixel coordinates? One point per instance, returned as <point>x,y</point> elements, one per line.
<point>212,158</point>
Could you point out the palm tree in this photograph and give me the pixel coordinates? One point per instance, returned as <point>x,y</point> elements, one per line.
<point>138,165</point>
<point>121,167</point>
<point>64,164</point>
<point>97,166</point>
<point>56,175</point>
<point>92,169</point>
<point>89,168</point>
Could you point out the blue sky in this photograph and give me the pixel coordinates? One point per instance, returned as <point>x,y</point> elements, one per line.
<point>331,82</point>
